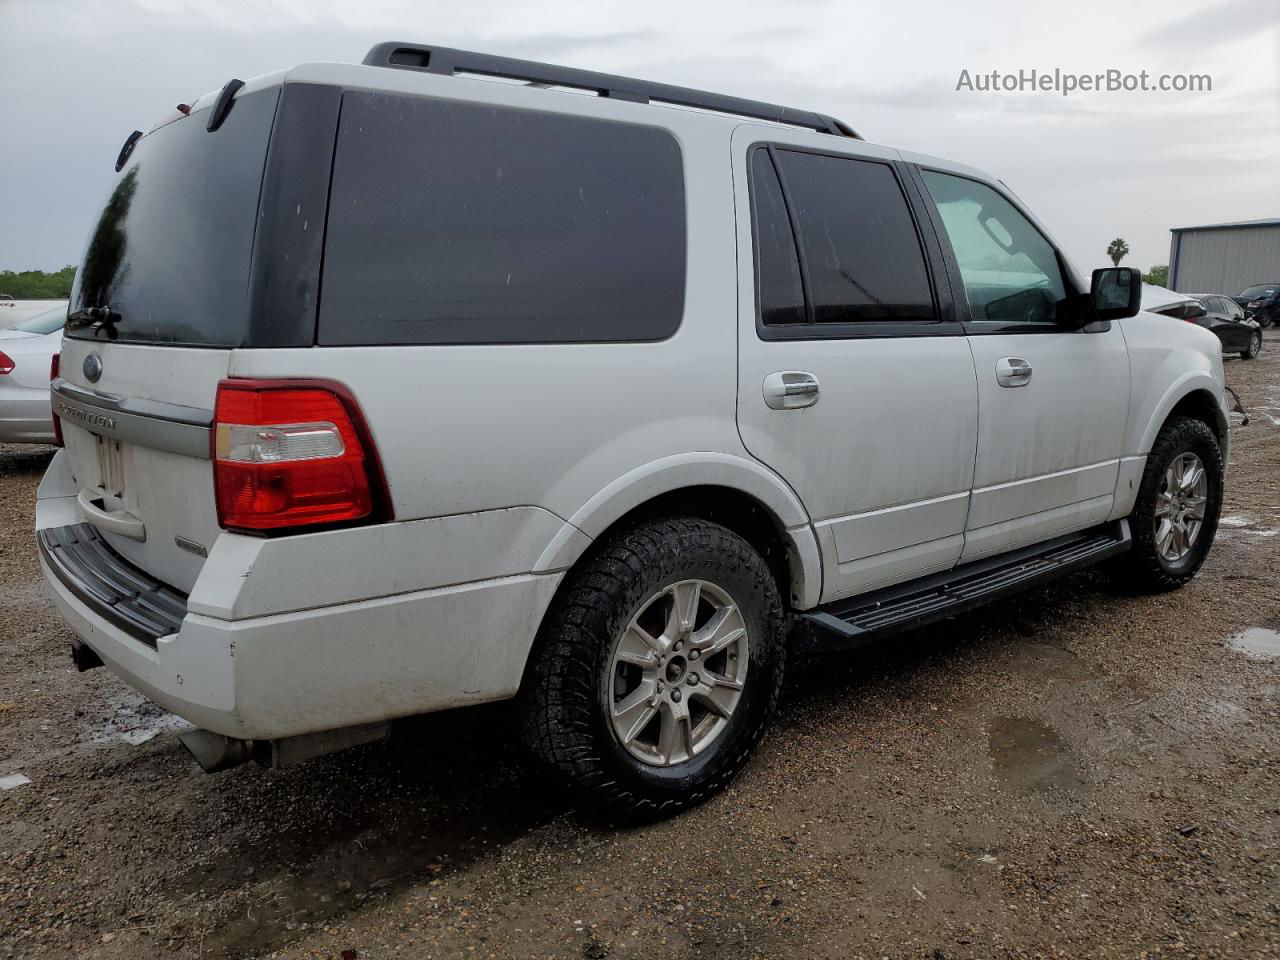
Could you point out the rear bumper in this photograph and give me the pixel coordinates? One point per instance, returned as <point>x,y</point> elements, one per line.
<point>289,673</point>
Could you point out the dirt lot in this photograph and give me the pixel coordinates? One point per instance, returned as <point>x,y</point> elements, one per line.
<point>1073,773</point>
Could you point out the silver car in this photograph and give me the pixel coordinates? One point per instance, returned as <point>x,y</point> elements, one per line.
<point>26,357</point>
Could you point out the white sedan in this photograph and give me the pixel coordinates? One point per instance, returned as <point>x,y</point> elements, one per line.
<point>26,358</point>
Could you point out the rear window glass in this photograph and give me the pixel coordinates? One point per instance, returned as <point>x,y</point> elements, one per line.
<point>169,253</point>
<point>459,223</point>
<point>46,322</point>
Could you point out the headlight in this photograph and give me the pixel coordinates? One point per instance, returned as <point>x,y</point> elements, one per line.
<point>1254,303</point>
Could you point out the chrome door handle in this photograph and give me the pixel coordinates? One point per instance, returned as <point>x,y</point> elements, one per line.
<point>790,390</point>
<point>1013,372</point>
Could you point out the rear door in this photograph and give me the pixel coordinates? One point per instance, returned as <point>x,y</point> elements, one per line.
<point>161,300</point>
<point>855,384</point>
<point>1052,401</point>
<point>1233,334</point>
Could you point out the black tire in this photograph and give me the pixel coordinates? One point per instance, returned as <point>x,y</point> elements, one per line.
<point>1254,348</point>
<point>1143,568</point>
<point>565,703</point>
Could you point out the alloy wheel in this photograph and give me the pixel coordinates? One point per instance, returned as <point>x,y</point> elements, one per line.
<point>1180,507</point>
<point>677,672</point>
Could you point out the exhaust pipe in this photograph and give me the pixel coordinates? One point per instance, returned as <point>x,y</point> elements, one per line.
<point>215,752</point>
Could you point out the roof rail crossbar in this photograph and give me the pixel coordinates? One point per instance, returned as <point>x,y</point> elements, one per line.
<point>447,61</point>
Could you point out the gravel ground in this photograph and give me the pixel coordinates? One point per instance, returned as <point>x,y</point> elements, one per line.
<point>1073,773</point>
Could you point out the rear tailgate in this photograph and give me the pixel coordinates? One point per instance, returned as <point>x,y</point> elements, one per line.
<point>138,445</point>
<point>171,283</point>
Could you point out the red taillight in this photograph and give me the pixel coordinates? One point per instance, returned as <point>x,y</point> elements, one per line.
<point>291,453</point>
<point>57,424</point>
<point>6,363</point>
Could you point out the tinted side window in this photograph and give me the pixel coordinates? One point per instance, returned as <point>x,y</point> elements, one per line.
<point>859,243</point>
<point>779,292</point>
<point>1010,271</point>
<point>460,223</point>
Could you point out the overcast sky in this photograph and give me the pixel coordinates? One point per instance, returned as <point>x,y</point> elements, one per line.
<point>77,75</point>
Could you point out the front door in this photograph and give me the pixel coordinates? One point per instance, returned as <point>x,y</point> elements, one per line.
<point>855,383</point>
<point>1052,401</point>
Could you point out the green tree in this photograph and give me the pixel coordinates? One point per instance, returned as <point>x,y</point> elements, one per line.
<point>1117,250</point>
<point>36,284</point>
<point>1157,275</point>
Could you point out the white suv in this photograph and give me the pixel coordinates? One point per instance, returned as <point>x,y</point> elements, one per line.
<point>391,388</point>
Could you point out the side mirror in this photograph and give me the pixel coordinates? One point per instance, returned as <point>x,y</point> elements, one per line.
<point>1116,292</point>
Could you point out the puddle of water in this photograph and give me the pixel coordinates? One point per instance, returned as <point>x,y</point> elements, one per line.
<point>1240,524</point>
<point>1028,757</point>
<point>12,781</point>
<point>1260,643</point>
<point>1044,660</point>
<point>134,720</point>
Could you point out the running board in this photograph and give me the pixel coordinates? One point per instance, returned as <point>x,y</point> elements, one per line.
<point>867,617</point>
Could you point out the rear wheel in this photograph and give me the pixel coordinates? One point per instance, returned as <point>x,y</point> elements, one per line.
<point>1254,348</point>
<point>658,669</point>
<point>1176,515</point>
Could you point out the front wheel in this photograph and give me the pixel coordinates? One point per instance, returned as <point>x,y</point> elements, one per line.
<point>657,669</point>
<point>1176,514</point>
<point>1254,348</point>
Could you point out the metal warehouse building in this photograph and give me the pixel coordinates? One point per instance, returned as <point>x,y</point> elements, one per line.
<point>1224,257</point>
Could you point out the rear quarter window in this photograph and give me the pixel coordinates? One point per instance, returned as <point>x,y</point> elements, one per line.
<point>462,223</point>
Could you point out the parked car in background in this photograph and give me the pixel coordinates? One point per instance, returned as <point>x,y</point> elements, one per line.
<point>1226,318</point>
<point>14,312</point>
<point>26,358</point>
<point>1219,314</point>
<point>1261,301</point>
<point>592,402</point>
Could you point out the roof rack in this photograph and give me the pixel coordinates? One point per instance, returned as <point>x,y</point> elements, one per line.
<point>444,60</point>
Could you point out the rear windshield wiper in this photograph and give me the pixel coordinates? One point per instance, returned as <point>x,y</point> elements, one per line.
<point>97,317</point>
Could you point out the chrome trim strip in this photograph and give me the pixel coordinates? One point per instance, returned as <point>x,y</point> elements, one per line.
<point>148,423</point>
<point>158,409</point>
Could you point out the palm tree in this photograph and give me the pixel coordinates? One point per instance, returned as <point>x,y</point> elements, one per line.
<point>1117,250</point>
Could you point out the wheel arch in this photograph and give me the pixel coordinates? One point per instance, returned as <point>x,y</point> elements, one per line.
<point>1196,396</point>
<point>739,494</point>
